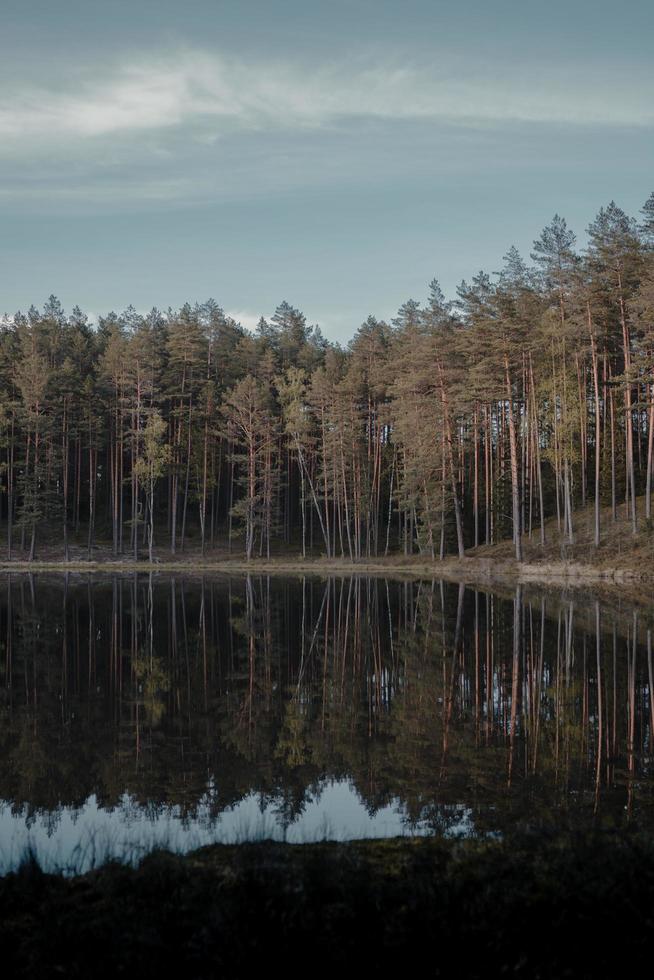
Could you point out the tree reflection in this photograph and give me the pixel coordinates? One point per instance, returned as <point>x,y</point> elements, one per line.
<point>510,708</point>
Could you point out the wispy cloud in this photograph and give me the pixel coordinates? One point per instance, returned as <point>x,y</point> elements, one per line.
<point>246,318</point>
<point>195,87</point>
<point>193,126</point>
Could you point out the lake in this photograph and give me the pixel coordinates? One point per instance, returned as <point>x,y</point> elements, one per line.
<point>172,710</point>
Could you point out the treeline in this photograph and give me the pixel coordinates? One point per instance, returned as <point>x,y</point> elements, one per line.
<point>456,424</point>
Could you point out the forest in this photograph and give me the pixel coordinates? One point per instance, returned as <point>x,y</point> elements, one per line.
<point>458,423</point>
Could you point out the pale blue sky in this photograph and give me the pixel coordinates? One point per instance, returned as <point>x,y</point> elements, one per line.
<point>334,154</point>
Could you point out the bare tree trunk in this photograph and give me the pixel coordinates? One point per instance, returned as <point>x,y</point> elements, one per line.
<point>539,470</point>
<point>614,507</point>
<point>598,422</point>
<point>475,479</point>
<point>450,457</point>
<point>650,460</point>
<point>10,491</point>
<point>390,506</point>
<point>629,424</point>
<point>32,554</point>
<point>64,465</point>
<point>186,477</point>
<point>203,504</point>
<point>92,472</point>
<point>515,489</point>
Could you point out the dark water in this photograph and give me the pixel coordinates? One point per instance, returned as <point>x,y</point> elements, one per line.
<point>138,711</point>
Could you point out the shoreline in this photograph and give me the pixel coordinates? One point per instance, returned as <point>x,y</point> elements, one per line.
<point>469,570</point>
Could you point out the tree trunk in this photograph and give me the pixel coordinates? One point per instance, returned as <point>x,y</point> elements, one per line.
<point>650,460</point>
<point>593,350</point>
<point>513,449</point>
<point>450,457</point>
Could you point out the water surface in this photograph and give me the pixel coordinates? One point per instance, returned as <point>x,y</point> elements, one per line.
<point>143,710</point>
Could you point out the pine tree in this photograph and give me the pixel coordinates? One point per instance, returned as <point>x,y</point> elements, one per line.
<point>150,464</point>
<point>251,429</point>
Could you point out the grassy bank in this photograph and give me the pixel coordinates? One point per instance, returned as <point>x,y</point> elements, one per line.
<point>541,906</point>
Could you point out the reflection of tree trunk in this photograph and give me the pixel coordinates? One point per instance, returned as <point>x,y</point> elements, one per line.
<point>449,699</point>
<point>515,673</point>
<point>600,713</point>
<point>477,678</point>
<point>631,710</point>
<point>650,674</point>
<point>203,640</point>
<point>490,609</point>
<point>537,687</point>
<point>8,638</point>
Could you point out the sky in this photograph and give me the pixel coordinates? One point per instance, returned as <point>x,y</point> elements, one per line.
<point>337,154</point>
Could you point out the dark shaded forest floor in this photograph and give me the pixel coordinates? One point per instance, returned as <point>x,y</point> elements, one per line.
<point>623,558</point>
<point>538,906</point>
<point>620,549</point>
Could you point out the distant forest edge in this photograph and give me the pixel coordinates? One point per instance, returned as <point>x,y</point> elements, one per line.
<point>457,424</point>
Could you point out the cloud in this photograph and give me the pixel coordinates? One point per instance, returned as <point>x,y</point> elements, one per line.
<point>194,126</point>
<point>216,92</point>
<point>246,318</point>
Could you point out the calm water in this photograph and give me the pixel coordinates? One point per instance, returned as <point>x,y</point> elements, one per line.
<point>143,710</point>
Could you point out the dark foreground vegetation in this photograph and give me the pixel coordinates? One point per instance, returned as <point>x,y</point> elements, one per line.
<point>456,425</point>
<point>541,906</point>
